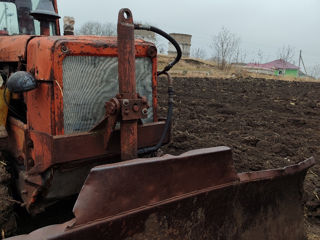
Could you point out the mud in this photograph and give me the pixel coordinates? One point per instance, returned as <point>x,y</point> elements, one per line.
<point>267,123</point>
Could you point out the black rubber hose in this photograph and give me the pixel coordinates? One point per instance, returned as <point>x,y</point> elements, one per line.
<point>169,38</point>
<point>168,121</point>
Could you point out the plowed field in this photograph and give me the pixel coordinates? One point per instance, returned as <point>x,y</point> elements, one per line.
<point>267,123</point>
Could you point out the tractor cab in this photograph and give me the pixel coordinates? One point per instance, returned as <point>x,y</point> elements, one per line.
<point>21,17</point>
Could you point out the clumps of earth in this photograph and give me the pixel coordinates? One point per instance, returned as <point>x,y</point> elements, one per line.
<point>267,123</point>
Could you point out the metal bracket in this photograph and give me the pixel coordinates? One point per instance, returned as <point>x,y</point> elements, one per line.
<point>134,109</point>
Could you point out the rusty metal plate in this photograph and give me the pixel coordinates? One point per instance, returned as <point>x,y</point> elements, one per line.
<point>120,187</point>
<point>266,205</point>
<point>89,145</point>
<point>268,209</point>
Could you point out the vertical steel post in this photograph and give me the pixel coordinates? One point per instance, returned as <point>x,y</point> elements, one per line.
<point>127,81</point>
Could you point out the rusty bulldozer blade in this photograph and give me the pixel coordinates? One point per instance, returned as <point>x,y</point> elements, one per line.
<point>197,195</point>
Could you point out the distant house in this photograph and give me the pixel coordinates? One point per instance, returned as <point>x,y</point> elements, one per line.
<point>279,67</point>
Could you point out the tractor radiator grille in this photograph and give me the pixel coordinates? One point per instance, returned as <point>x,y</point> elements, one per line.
<point>89,82</point>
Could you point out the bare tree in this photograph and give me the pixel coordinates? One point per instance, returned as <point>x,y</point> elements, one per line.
<point>225,45</point>
<point>96,28</point>
<point>239,56</point>
<point>260,56</point>
<point>315,71</point>
<point>110,29</point>
<point>286,53</point>
<point>198,53</point>
<point>91,28</point>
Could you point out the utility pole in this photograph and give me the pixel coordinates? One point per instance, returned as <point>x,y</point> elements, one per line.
<point>304,67</point>
<point>301,61</point>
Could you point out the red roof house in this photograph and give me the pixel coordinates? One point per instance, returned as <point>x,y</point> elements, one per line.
<point>280,67</point>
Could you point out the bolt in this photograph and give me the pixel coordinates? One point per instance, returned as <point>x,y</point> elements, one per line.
<point>144,111</point>
<point>135,108</point>
<point>152,52</point>
<point>24,191</point>
<point>64,49</point>
<point>125,102</point>
<point>126,111</point>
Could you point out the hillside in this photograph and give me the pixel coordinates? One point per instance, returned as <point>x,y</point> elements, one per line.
<point>191,67</point>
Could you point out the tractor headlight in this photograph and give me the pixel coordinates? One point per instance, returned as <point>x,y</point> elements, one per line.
<point>21,81</point>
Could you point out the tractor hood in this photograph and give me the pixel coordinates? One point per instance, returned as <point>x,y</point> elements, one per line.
<point>13,48</point>
<point>20,47</point>
<point>45,54</point>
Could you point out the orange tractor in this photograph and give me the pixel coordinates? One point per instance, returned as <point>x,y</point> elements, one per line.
<point>76,113</point>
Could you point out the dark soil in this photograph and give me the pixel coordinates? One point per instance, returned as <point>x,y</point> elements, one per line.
<point>267,123</point>
<point>7,216</point>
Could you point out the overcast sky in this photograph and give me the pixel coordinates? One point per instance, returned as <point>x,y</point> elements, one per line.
<point>261,24</point>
